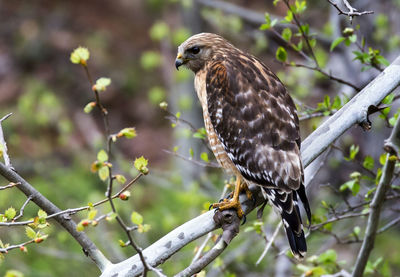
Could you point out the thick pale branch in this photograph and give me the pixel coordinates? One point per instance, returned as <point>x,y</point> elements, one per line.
<point>355,111</point>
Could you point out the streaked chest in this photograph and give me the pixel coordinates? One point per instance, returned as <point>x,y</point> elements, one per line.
<point>216,145</point>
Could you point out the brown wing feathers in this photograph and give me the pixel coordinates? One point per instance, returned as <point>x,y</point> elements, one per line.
<point>255,120</point>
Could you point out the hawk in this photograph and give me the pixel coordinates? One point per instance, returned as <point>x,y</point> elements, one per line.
<point>252,127</point>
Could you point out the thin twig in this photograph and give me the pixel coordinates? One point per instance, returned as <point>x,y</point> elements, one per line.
<point>109,140</point>
<point>75,210</point>
<point>214,252</point>
<point>6,249</point>
<point>8,186</point>
<point>200,163</point>
<point>329,75</point>
<point>389,225</point>
<point>269,244</point>
<point>352,11</point>
<point>21,211</point>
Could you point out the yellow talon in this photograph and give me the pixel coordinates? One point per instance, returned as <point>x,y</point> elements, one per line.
<point>234,203</point>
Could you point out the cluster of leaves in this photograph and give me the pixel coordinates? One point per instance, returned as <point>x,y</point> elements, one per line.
<point>39,223</point>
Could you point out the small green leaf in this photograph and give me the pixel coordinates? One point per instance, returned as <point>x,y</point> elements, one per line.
<point>357,230</point>
<point>200,133</point>
<point>102,156</point>
<point>336,42</point>
<point>388,99</point>
<point>42,214</point>
<point>141,165</point>
<point>281,54</point>
<point>121,243</point>
<point>328,256</point>
<point>300,6</point>
<point>102,83</point>
<point>129,133</point>
<point>30,232</point>
<point>103,173</point>
<point>80,55</point>
<point>289,16</point>
<point>353,152</point>
<point>10,213</point>
<point>204,157</point>
<point>136,218</point>
<point>383,158</point>
<point>92,214</point>
<point>144,228</point>
<point>89,107</point>
<point>368,163</point>
<point>337,103</point>
<point>287,34</point>
<point>120,178</point>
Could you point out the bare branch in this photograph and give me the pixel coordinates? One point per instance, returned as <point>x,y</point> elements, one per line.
<point>391,146</point>
<point>197,266</point>
<point>352,11</point>
<point>329,75</point>
<point>389,225</point>
<point>73,211</point>
<point>21,211</point>
<point>8,248</point>
<point>269,244</point>
<point>10,185</point>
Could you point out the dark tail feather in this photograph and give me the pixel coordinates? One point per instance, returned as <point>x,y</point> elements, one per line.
<point>301,192</point>
<point>287,206</point>
<point>294,227</point>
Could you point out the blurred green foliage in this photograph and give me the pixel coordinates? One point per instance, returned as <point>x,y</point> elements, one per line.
<point>53,144</point>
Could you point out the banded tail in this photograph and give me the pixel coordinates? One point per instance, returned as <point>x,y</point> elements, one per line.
<point>287,205</point>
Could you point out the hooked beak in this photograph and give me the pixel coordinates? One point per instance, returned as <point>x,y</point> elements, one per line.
<point>179,61</point>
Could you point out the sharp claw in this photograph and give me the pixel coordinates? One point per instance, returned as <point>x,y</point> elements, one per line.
<point>244,220</point>
<point>209,208</point>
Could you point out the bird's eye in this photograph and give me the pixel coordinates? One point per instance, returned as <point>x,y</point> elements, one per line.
<point>194,50</point>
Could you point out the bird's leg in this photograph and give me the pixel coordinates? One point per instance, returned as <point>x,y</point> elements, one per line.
<point>233,203</point>
<point>244,187</point>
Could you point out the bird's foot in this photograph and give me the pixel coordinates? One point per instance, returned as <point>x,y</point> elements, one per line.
<point>226,204</point>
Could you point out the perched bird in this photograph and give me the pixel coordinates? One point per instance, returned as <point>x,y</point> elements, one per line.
<point>252,127</point>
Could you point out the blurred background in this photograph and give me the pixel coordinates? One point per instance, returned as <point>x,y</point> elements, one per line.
<point>52,142</point>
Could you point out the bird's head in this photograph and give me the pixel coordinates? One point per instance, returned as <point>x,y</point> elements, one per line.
<point>198,49</point>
